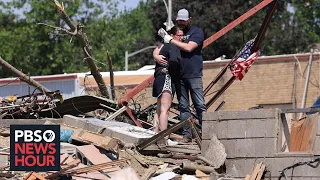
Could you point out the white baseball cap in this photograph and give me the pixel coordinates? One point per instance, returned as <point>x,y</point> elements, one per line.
<point>183,14</point>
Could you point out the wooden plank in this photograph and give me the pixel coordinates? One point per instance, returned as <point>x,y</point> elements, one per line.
<point>97,167</point>
<point>183,150</point>
<point>91,175</point>
<point>96,139</point>
<point>149,172</point>
<point>202,175</point>
<point>155,149</point>
<point>93,155</point>
<point>34,176</point>
<point>303,134</point>
<point>88,137</point>
<point>139,158</point>
<point>70,165</point>
<point>285,128</point>
<point>255,171</point>
<point>312,133</point>
<point>263,166</point>
<point>247,177</point>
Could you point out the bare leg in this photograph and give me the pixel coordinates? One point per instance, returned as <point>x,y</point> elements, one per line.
<point>156,122</point>
<point>166,100</point>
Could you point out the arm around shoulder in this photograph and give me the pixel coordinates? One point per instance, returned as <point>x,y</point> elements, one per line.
<point>156,51</point>
<point>187,47</point>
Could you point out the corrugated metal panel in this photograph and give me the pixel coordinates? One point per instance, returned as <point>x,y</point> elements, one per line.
<point>68,88</point>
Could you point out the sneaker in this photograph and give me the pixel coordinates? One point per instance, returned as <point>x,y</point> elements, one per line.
<point>172,143</point>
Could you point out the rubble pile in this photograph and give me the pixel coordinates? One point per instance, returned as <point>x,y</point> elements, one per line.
<point>86,154</point>
<point>106,148</point>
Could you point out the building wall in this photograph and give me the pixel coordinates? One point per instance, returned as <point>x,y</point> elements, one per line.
<point>269,81</point>
<point>254,136</point>
<point>69,87</point>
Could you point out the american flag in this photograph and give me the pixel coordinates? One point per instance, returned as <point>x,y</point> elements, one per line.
<point>246,50</point>
<point>245,61</point>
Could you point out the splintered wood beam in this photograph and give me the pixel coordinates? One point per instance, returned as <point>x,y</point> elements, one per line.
<point>161,135</point>
<point>286,130</point>
<point>303,134</point>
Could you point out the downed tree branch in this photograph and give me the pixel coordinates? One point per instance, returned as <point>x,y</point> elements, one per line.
<point>60,29</point>
<point>84,43</point>
<point>23,77</point>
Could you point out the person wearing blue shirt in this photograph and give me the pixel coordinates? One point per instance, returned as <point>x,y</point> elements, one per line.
<point>191,66</point>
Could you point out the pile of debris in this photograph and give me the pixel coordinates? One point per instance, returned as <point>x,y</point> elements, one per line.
<point>115,150</point>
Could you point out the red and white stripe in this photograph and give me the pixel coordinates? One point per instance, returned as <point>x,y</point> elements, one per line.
<point>241,68</point>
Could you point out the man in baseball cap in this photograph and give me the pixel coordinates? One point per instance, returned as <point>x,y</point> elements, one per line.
<point>183,20</point>
<point>183,15</point>
<point>191,66</point>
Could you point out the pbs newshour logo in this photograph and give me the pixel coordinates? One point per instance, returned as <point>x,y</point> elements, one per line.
<point>34,147</point>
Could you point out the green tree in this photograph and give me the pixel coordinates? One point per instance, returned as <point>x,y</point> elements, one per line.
<point>38,50</point>
<point>125,32</point>
<point>305,24</point>
<point>287,32</point>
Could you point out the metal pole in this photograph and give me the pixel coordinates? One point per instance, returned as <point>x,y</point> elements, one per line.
<point>169,14</point>
<point>126,60</point>
<point>165,4</point>
<point>127,55</point>
<point>303,102</point>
